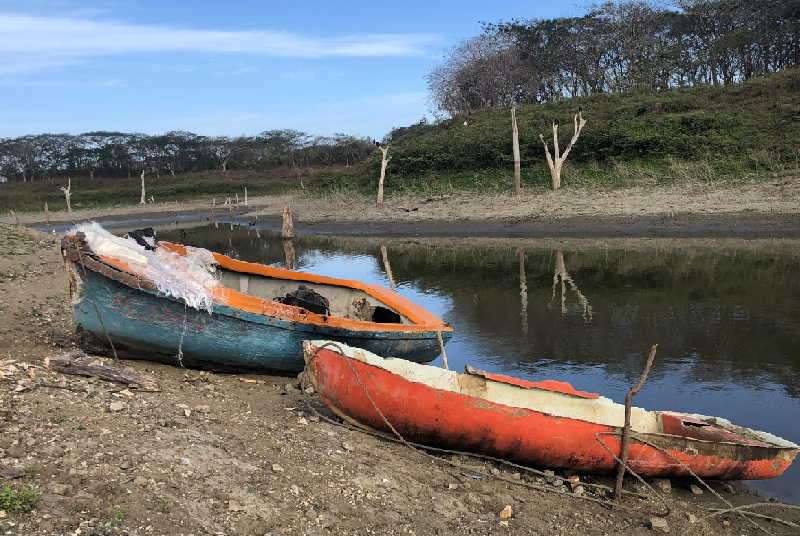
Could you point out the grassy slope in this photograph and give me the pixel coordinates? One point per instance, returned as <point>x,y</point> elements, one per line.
<point>746,131</point>
<point>104,192</point>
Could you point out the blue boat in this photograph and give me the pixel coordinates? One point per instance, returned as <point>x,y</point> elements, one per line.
<point>244,317</point>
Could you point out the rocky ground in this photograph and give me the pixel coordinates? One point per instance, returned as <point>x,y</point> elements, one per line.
<point>226,454</point>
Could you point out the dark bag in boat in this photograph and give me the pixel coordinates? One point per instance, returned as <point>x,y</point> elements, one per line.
<point>144,237</point>
<point>307,299</point>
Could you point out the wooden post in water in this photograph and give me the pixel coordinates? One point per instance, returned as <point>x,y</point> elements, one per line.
<point>237,198</point>
<point>387,267</point>
<point>245,196</point>
<point>287,231</point>
<point>515,149</point>
<point>626,430</point>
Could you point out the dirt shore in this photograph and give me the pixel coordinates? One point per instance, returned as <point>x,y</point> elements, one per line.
<point>213,454</point>
<point>763,209</point>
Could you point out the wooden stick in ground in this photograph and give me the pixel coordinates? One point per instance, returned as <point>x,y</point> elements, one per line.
<point>626,430</point>
<point>46,213</point>
<point>384,162</point>
<point>287,231</point>
<point>14,215</point>
<point>515,148</point>
<point>441,347</point>
<point>67,193</point>
<point>77,364</point>
<point>387,267</point>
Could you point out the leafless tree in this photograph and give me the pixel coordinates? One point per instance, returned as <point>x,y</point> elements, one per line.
<point>384,162</point>
<point>556,161</point>
<point>67,193</point>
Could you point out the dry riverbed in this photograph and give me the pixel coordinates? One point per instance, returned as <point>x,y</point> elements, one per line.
<point>764,208</point>
<point>214,454</point>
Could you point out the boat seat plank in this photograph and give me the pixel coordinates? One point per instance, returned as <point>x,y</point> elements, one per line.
<point>564,388</point>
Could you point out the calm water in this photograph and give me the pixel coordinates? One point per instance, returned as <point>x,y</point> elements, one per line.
<point>727,319</point>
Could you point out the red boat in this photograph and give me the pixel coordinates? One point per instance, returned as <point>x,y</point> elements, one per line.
<point>546,423</point>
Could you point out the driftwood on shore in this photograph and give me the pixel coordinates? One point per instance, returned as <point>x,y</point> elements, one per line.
<point>79,364</point>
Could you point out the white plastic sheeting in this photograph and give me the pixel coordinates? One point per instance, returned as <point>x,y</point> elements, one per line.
<point>189,278</point>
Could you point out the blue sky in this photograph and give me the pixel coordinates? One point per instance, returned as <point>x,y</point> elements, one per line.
<point>230,68</point>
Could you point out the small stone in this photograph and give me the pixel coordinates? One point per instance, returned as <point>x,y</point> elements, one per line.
<point>452,486</point>
<point>692,518</point>
<point>578,490</point>
<point>302,421</point>
<point>659,524</point>
<point>294,490</point>
<point>548,473</point>
<point>663,484</point>
<point>289,388</point>
<point>347,446</point>
<point>3,514</point>
<point>116,406</point>
<point>60,489</point>
<point>516,476</point>
<point>140,481</point>
<point>506,512</point>
<point>311,513</point>
<point>234,507</point>
<point>504,523</point>
<point>695,489</point>
<point>726,523</point>
<point>309,390</point>
<point>495,471</point>
<point>187,413</point>
<point>277,468</point>
<point>202,409</point>
<point>127,393</point>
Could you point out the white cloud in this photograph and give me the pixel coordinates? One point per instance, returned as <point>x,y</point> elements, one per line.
<point>33,42</point>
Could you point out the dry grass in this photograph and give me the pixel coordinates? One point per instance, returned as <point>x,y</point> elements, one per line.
<point>691,195</point>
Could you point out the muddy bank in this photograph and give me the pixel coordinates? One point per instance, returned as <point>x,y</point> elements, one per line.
<point>702,209</point>
<point>681,226</point>
<point>213,454</point>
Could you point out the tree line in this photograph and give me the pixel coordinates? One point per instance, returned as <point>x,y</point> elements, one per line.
<point>618,47</point>
<point>119,154</point>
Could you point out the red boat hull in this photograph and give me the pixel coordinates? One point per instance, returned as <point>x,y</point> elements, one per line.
<point>456,420</point>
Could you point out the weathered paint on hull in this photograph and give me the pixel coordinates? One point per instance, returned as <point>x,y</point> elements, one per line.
<point>439,417</point>
<point>227,339</point>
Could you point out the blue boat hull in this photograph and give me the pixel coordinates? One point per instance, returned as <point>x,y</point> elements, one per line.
<point>160,328</point>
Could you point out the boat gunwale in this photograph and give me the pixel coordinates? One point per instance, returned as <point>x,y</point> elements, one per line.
<point>260,310</point>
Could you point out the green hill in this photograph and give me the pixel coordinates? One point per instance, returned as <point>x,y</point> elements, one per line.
<point>748,131</point>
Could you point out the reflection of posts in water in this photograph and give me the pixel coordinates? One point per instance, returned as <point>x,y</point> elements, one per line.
<point>387,267</point>
<point>560,275</point>
<point>523,292</point>
<point>289,253</point>
<point>287,229</point>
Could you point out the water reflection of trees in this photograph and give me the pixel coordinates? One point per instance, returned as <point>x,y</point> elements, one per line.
<point>720,316</point>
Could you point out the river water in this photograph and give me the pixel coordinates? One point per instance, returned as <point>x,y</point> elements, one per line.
<point>725,314</point>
